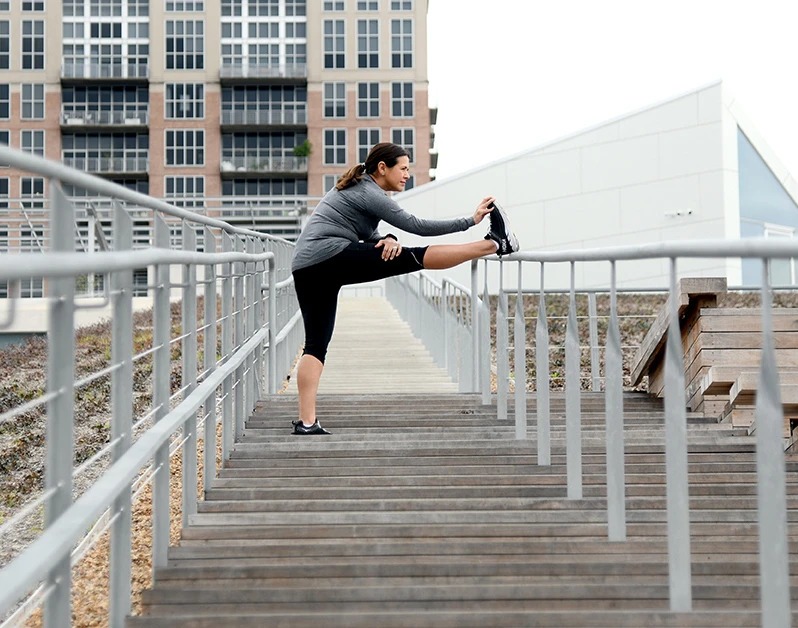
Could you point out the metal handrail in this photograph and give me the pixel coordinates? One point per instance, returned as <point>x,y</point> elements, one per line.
<point>471,320</point>
<point>260,339</point>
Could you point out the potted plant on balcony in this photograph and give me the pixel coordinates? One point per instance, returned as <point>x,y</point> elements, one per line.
<point>304,149</point>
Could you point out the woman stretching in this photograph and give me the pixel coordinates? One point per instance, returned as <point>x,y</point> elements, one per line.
<point>340,245</point>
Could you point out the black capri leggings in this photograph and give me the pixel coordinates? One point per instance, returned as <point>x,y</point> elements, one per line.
<point>317,286</point>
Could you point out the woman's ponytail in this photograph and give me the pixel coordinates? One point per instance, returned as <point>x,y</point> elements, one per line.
<point>383,152</point>
<point>351,176</point>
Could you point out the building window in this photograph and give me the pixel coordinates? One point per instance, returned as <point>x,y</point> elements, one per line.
<point>410,183</point>
<point>5,5</point>
<point>334,5</point>
<point>334,100</point>
<point>260,188</point>
<point>32,101</point>
<point>401,5</point>
<point>368,100</point>
<point>185,100</point>
<point>32,188</point>
<point>33,44</point>
<point>296,54</point>
<point>296,30</point>
<point>366,138</point>
<point>106,152</point>
<point>187,6</point>
<point>295,7</point>
<point>368,44</point>
<point>402,100</point>
<point>185,147</point>
<point>185,44</point>
<point>264,8</point>
<point>32,141</point>
<point>181,190</point>
<point>368,5</point>
<point>401,43</point>
<point>264,104</point>
<point>5,44</point>
<point>262,152</point>
<point>406,138</point>
<point>105,8</point>
<point>334,44</point>
<point>5,101</point>
<point>36,5</point>
<point>120,104</point>
<point>334,147</point>
<point>328,182</point>
<point>138,7</point>
<point>31,238</point>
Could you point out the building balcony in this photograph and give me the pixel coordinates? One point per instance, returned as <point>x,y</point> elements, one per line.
<point>294,72</point>
<point>433,160</point>
<point>433,115</point>
<point>264,165</point>
<point>109,165</point>
<point>284,117</point>
<point>104,118</point>
<point>105,71</point>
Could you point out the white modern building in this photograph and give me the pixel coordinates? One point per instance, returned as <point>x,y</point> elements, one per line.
<point>692,167</point>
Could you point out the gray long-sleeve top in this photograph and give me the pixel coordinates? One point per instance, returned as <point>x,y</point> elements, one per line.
<point>346,216</point>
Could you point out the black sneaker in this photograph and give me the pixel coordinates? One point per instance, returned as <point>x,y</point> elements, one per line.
<point>500,231</point>
<point>303,430</point>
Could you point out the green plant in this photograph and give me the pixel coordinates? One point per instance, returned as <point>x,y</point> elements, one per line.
<point>304,149</point>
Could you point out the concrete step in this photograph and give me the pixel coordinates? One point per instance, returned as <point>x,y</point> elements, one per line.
<point>471,619</point>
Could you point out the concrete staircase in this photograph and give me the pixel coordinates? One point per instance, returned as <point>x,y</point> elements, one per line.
<point>421,510</point>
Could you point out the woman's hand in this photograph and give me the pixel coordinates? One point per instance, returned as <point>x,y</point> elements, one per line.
<point>482,209</point>
<point>390,248</point>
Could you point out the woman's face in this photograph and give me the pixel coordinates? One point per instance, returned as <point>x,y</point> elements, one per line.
<point>395,178</point>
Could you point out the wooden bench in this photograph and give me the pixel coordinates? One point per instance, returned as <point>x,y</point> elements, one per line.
<point>722,355</point>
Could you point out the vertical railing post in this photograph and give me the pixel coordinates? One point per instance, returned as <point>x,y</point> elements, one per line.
<point>519,342</point>
<point>446,330</point>
<point>573,396</point>
<point>239,338</point>
<point>189,378</point>
<point>613,394</point>
<point>260,384</point>
<point>209,364</point>
<point>595,367</point>
<point>272,326</point>
<point>227,348</point>
<point>475,325</point>
<point>60,409</point>
<point>774,551</point>
<point>542,377</point>
<point>678,498</point>
<point>484,342</point>
<point>161,376</point>
<point>121,290</point>
<point>502,350</point>
<point>250,326</point>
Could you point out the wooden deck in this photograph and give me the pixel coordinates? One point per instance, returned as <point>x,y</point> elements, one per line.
<point>374,351</point>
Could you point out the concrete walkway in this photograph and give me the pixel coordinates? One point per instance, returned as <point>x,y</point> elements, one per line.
<point>373,350</point>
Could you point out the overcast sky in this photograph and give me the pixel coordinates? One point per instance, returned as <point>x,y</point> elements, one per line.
<point>508,75</point>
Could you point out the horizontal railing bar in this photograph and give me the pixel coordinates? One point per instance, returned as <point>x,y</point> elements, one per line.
<point>179,338</point>
<point>765,248</point>
<point>90,461</point>
<point>287,328</point>
<point>56,170</point>
<point>70,264</point>
<point>29,405</point>
<point>137,425</point>
<point>95,376</point>
<point>536,291</point>
<point>26,510</point>
<point>55,542</point>
<point>144,354</point>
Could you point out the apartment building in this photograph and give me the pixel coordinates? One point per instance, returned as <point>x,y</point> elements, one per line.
<point>244,109</point>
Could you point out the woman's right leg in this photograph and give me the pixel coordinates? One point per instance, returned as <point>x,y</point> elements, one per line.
<point>308,374</point>
<point>441,256</point>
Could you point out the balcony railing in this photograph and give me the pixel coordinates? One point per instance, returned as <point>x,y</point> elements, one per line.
<point>108,164</point>
<point>104,118</point>
<point>104,71</point>
<point>264,118</point>
<point>296,71</point>
<point>292,165</point>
